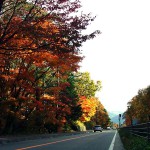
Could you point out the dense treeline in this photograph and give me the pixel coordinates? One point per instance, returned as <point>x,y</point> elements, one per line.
<point>139,107</point>
<point>40,90</point>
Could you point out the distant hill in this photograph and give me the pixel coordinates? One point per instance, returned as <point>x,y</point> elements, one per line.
<point>114,113</point>
<point>114,116</point>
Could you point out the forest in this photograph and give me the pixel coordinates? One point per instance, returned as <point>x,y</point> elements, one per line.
<point>41,88</point>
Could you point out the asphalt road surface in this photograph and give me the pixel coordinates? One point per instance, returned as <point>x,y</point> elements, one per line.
<point>87,141</point>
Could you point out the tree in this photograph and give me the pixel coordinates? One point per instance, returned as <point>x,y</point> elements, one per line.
<point>88,106</point>
<point>101,116</point>
<point>25,17</point>
<point>36,56</point>
<point>69,97</point>
<point>93,111</point>
<point>86,86</point>
<point>139,107</point>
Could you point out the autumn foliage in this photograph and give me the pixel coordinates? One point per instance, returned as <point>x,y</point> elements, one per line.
<point>93,112</point>
<point>39,50</point>
<point>138,108</point>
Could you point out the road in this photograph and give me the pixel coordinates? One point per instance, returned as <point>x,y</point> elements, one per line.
<point>87,141</point>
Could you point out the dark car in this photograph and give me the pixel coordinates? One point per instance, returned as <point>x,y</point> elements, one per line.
<point>97,128</point>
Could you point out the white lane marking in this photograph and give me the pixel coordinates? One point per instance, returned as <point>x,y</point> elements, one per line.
<point>113,142</point>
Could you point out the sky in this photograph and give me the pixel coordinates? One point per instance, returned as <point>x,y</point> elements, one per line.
<point>120,56</point>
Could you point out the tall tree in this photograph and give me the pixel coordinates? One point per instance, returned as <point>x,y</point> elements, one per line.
<point>86,86</point>
<point>138,109</point>
<point>36,55</point>
<point>70,98</point>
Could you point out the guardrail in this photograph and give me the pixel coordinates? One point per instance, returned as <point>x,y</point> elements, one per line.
<point>141,130</point>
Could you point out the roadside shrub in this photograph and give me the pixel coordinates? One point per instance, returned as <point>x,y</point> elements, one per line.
<point>81,126</point>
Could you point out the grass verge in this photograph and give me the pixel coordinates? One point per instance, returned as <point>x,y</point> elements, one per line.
<point>132,142</point>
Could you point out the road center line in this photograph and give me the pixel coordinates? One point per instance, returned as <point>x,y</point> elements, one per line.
<point>113,142</point>
<point>52,142</point>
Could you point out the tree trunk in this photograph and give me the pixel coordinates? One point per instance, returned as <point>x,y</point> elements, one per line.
<point>1,4</point>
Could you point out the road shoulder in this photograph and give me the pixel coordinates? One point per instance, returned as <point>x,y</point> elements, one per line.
<point>118,143</point>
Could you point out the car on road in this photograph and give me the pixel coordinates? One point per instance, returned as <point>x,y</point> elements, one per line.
<point>108,128</point>
<point>97,128</point>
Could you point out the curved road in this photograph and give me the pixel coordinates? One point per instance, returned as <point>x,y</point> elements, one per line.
<point>87,141</point>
